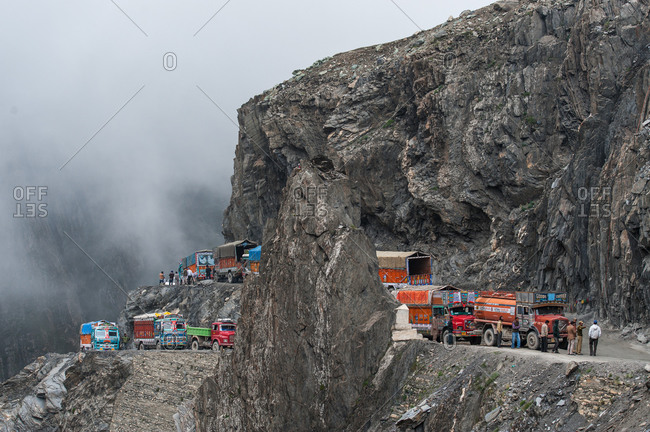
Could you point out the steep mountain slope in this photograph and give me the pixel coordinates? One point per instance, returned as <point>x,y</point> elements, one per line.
<point>511,143</point>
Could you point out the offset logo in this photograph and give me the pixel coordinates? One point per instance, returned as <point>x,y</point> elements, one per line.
<point>30,201</point>
<point>310,201</point>
<point>170,61</point>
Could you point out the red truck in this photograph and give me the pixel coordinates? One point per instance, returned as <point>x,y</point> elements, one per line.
<point>435,311</point>
<point>532,309</point>
<point>221,335</point>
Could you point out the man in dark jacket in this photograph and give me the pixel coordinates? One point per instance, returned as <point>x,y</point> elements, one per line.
<point>556,335</point>
<point>544,335</point>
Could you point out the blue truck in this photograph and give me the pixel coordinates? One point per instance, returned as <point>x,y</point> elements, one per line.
<point>99,336</point>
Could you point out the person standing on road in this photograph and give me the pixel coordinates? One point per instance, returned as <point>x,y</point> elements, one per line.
<point>185,277</point>
<point>190,277</point>
<point>171,277</point>
<point>594,334</point>
<point>556,335</point>
<point>499,331</point>
<point>161,281</point>
<point>544,335</point>
<point>515,334</point>
<point>579,329</point>
<point>571,336</point>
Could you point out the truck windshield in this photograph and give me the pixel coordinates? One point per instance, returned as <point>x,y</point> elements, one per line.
<point>100,334</point>
<point>180,325</point>
<point>112,333</point>
<point>461,311</point>
<point>549,310</point>
<point>227,327</point>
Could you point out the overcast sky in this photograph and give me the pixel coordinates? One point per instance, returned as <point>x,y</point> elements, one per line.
<point>88,78</point>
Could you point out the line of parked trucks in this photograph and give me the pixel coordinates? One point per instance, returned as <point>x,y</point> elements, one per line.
<point>159,331</point>
<point>437,311</point>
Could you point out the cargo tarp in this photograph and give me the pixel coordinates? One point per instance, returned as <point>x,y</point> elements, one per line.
<point>255,254</point>
<point>414,297</point>
<point>393,259</point>
<point>229,250</point>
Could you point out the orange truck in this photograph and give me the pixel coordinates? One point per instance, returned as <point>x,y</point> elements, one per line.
<point>436,311</point>
<point>403,269</point>
<point>531,308</point>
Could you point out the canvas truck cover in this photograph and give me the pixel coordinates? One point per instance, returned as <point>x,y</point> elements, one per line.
<point>229,250</point>
<point>393,259</point>
<point>255,254</point>
<point>424,295</point>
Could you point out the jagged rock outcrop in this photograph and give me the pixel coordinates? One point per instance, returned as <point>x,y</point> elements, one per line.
<point>315,325</point>
<point>510,143</point>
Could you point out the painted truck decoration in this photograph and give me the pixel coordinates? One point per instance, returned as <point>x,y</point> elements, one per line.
<point>220,335</point>
<point>436,311</point>
<point>199,262</point>
<point>229,261</point>
<point>532,309</point>
<point>160,331</point>
<point>403,269</point>
<point>99,336</point>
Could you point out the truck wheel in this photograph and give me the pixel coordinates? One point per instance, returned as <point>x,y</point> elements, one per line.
<point>489,337</point>
<point>474,340</point>
<point>141,346</point>
<point>195,345</point>
<point>445,337</point>
<point>230,278</point>
<point>532,340</point>
<point>158,347</point>
<point>215,346</point>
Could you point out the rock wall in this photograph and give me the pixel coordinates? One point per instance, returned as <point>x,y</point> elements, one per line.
<point>315,325</point>
<point>510,143</point>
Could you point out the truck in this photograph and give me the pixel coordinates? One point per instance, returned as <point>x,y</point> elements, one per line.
<point>220,335</point>
<point>199,262</point>
<point>532,309</point>
<point>99,336</point>
<point>160,330</point>
<point>254,258</point>
<point>229,261</point>
<point>403,269</point>
<point>437,311</point>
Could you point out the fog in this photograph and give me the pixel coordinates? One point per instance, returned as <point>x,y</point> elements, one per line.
<point>102,104</point>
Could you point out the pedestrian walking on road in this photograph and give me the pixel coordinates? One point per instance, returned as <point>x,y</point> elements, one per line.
<point>544,335</point>
<point>171,277</point>
<point>594,334</point>
<point>579,329</point>
<point>185,277</point>
<point>556,335</point>
<point>515,334</point>
<point>161,281</point>
<point>571,336</point>
<point>499,331</point>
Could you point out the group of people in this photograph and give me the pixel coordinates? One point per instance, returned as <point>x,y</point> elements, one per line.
<point>574,336</point>
<point>186,278</point>
<point>182,277</point>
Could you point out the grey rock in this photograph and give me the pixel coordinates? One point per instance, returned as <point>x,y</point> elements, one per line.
<point>647,367</point>
<point>505,185</point>
<point>492,415</point>
<point>641,338</point>
<point>561,403</point>
<point>570,368</point>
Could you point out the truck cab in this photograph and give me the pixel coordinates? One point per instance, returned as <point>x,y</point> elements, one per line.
<point>223,333</point>
<point>534,309</point>
<point>106,337</point>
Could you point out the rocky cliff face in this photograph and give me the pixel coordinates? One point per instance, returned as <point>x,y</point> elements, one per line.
<point>511,143</point>
<point>315,325</point>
